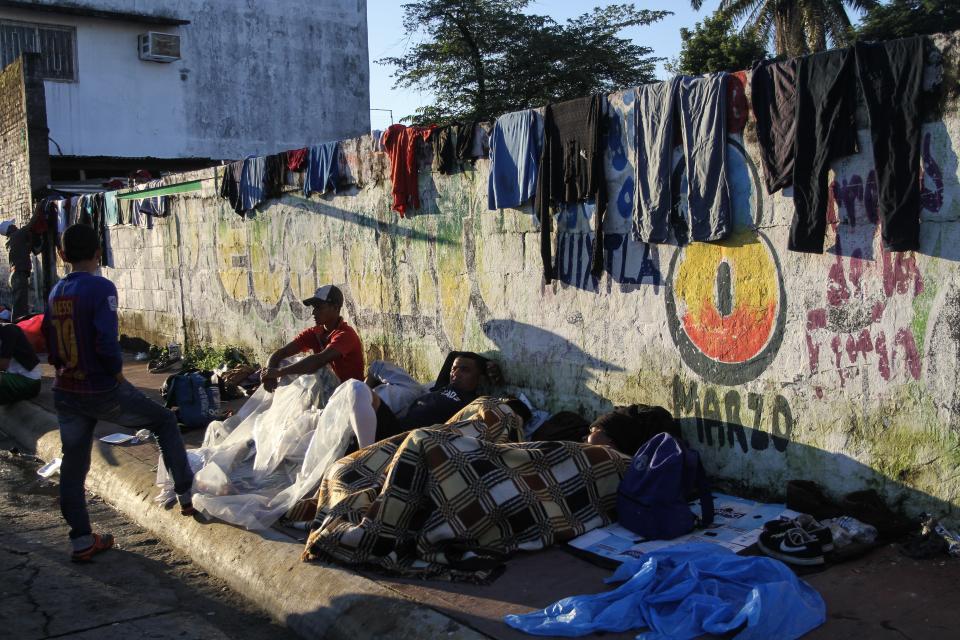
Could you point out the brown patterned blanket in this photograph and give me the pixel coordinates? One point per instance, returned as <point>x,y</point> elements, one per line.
<point>455,500</point>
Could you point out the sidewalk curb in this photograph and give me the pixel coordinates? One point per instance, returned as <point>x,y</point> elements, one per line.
<point>314,600</point>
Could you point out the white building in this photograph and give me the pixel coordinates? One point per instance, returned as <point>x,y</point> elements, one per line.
<point>226,78</point>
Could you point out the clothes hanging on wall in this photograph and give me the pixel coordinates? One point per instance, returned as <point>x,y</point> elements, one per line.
<point>699,106</point>
<point>111,214</point>
<point>444,140</point>
<point>400,143</point>
<point>480,148</point>
<point>253,182</point>
<point>515,147</point>
<point>144,210</point>
<point>275,175</point>
<point>571,169</point>
<point>73,209</point>
<point>296,159</point>
<point>654,117</point>
<point>323,168</point>
<point>230,185</point>
<point>61,208</point>
<point>99,223</point>
<point>703,124</point>
<point>464,139</point>
<point>890,76</point>
<point>773,93</point>
<point>826,130</point>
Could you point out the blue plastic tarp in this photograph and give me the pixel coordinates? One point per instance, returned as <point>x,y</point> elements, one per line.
<point>687,591</point>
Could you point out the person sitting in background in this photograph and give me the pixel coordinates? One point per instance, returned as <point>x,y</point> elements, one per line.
<point>20,371</point>
<point>332,342</point>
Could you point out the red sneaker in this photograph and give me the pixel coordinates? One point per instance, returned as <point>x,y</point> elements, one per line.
<point>101,542</point>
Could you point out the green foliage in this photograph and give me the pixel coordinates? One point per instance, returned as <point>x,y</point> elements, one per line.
<point>483,58</point>
<point>714,45</point>
<point>211,358</point>
<point>796,27</point>
<point>903,18</point>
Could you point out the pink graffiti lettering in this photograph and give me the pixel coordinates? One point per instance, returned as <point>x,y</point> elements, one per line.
<point>884,364</point>
<point>816,319</point>
<point>837,290</point>
<point>904,339</point>
<point>898,270</point>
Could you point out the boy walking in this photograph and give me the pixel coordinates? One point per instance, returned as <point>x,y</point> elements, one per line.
<point>81,328</point>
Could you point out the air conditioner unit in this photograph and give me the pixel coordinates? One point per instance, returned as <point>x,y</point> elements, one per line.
<point>159,47</point>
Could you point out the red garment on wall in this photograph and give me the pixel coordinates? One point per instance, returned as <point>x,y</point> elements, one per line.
<point>400,143</point>
<point>296,159</point>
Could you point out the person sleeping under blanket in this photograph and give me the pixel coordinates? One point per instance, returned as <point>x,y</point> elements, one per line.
<point>454,501</point>
<point>392,402</point>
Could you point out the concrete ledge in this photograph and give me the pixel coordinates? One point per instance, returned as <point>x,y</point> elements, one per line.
<point>315,600</point>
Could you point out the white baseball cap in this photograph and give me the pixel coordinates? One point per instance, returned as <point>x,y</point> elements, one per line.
<point>326,293</point>
<point>6,225</point>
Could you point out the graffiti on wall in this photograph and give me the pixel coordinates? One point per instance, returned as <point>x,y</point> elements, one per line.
<point>734,420</point>
<point>726,303</point>
<point>861,329</point>
<point>627,262</point>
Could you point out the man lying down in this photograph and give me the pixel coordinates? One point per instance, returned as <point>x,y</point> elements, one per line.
<point>255,465</point>
<point>454,501</point>
<point>390,401</point>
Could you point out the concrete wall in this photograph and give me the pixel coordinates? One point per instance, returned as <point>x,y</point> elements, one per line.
<point>841,367</point>
<point>254,78</point>
<point>24,162</point>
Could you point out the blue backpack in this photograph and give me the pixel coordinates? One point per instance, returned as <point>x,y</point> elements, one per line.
<point>197,400</point>
<point>652,498</point>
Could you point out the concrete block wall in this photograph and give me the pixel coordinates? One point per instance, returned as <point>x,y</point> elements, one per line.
<point>841,368</point>
<point>146,272</point>
<point>14,145</point>
<point>24,160</point>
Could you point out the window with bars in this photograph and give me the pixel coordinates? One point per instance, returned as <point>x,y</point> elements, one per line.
<point>55,44</point>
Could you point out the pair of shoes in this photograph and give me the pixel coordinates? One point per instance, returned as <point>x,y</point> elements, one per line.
<point>101,542</point>
<point>793,546</point>
<point>809,524</point>
<point>188,510</point>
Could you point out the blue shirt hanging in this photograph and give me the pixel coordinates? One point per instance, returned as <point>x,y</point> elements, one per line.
<point>514,157</point>
<point>323,168</point>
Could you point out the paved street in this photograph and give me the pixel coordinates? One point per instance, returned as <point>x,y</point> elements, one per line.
<point>141,589</point>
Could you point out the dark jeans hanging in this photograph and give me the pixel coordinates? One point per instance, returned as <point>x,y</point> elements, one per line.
<point>773,93</point>
<point>826,130</point>
<point>891,78</point>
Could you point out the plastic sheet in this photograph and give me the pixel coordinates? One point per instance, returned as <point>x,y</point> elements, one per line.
<point>687,591</point>
<point>255,465</point>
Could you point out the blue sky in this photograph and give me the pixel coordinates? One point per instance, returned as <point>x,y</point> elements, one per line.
<point>386,38</point>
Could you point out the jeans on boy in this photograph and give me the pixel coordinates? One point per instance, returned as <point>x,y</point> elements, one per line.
<point>126,406</point>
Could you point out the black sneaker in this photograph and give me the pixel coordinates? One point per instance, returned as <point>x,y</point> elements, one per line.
<point>793,546</point>
<point>809,524</point>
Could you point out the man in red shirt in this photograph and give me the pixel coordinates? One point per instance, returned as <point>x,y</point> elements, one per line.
<point>332,342</point>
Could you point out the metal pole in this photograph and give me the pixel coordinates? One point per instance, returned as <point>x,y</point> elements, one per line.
<point>390,110</point>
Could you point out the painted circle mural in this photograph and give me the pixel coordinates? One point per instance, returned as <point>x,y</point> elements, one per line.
<point>726,304</point>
